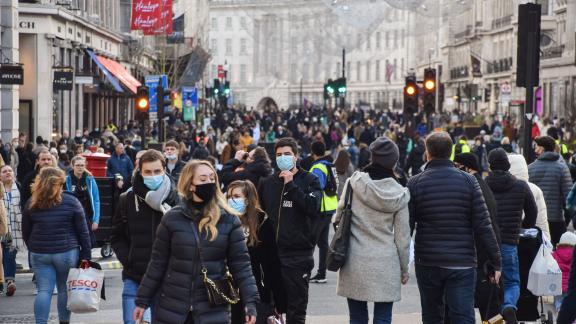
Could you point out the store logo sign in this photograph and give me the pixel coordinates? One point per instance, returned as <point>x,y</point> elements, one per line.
<point>11,74</point>
<point>63,80</point>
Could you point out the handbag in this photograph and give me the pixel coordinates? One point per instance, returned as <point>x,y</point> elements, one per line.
<point>338,249</point>
<point>220,291</point>
<point>275,318</point>
<point>84,287</point>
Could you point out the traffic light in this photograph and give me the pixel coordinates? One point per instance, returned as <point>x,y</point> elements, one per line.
<point>411,95</point>
<point>340,86</point>
<point>142,103</point>
<point>216,88</point>
<point>429,99</point>
<point>226,89</point>
<point>173,95</point>
<point>208,92</point>
<point>330,89</point>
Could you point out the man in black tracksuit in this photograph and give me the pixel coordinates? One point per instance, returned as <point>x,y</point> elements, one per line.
<point>291,198</point>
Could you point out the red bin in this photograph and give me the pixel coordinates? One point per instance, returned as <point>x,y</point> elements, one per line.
<point>96,163</point>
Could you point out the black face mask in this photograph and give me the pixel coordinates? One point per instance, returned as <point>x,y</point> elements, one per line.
<point>206,191</point>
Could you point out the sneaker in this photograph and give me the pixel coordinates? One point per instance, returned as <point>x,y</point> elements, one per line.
<point>55,291</point>
<point>35,292</point>
<point>10,289</point>
<point>1,289</point>
<point>318,279</point>
<point>509,314</point>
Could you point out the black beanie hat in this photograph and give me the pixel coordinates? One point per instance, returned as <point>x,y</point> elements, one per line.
<point>468,160</point>
<point>498,160</point>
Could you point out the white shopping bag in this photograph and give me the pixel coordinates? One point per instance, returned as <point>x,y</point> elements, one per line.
<point>84,286</point>
<point>545,277</point>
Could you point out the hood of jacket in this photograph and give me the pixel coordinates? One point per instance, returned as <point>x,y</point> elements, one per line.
<point>549,156</point>
<point>260,167</point>
<point>563,254</point>
<point>518,167</point>
<point>500,181</point>
<point>386,194</point>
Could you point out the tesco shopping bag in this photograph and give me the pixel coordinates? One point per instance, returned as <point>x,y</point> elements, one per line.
<point>84,286</point>
<point>545,276</point>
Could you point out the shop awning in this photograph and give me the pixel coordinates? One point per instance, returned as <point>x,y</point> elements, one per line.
<point>120,73</point>
<point>107,73</point>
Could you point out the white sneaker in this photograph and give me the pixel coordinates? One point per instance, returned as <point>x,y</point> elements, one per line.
<point>35,292</point>
<point>55,292</point>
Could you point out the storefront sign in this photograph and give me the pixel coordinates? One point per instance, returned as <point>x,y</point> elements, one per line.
<point>84,79</point>
<point>23,24</point>
<point>11,74</point>
<point>63,80</point>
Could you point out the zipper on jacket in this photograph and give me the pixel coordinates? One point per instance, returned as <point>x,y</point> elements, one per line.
<point>280,214</point>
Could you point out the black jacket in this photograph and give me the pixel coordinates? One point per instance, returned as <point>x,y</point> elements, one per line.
<point>415,160</point>
<point>512,196</point>
<point>293,209</point>
<point>175,268</point>
<point>57,229</point>
<point>252,171</point>
<point>175,173</point>
<point>27,183</point>
<point>134,229</point>
<point>448,211</point>
<point>481,252</point>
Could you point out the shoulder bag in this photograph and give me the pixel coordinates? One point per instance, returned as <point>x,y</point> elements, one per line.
<point>338,250</point>
<point>221,291</point>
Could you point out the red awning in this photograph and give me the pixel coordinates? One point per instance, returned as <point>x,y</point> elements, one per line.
<point>121,73</point>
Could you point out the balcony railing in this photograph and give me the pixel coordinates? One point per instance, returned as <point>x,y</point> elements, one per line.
<point>501,22</point>
<point>552,52</point>
<point>464,33</point>
<point>500,65</point>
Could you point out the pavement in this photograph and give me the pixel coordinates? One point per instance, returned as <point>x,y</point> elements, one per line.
<point>325,307</point>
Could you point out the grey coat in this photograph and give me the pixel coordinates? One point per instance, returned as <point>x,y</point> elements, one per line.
<point>552,175</point>
<point>379,242</point>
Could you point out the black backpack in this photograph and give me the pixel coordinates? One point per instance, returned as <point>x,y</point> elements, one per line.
<point>331,187</point>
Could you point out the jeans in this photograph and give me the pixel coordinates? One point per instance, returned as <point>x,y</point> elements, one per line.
<point>9,262</point>
<point>129,302</point>
<point>510,275</point>
<point>359,312</point>
<point>455,286</point>
<point>322,231</point>
<point>52,270</point>
<point>558,301</point>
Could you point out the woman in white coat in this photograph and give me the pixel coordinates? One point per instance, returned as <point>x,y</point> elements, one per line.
<point>519,169</point>
<point>377,261</point>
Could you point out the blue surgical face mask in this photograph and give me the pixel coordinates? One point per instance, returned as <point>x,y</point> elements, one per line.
<point>153,182</point>
<point>238,204</point>
<point>285,162</point>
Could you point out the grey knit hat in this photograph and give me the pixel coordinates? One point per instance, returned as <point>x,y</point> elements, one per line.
<point>385,152</point>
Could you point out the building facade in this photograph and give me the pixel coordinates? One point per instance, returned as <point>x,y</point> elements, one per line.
<point>288,49</point>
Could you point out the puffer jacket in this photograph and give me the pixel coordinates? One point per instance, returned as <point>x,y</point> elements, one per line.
<point>57,229</point>
<point>551,174</point>
<point>563,255</point>
<point>448,212</point>
<point>175,268</point>
<point>134,229</point>
<point>512,197</point>
<point>519,169</point>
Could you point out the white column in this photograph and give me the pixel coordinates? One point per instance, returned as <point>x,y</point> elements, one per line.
<point>10,50</point>
<point>44,101</point>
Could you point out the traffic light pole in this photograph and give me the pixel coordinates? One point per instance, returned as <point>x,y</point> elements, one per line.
<point>160,107</point>
<point>343,98</point>
<point>529,106</point>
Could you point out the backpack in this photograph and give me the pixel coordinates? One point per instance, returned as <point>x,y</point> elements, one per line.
<point>331,187</point>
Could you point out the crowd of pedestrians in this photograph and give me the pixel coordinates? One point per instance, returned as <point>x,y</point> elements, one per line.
<point>220,225</point>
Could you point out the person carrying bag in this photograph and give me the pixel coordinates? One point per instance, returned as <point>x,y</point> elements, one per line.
<point>338,250</point>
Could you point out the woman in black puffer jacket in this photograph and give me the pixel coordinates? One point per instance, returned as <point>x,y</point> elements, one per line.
<point>174,273</point>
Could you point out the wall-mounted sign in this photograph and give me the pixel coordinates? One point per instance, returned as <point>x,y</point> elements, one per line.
<point>84,79</point>
<point>23,24</point>
<point>11,74</point>
<point>63,80</point>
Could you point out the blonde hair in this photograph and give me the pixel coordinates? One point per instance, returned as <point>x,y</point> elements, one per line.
<point>47,189</point>
<point>212,210</point>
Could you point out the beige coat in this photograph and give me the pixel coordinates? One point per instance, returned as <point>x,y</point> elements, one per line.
<point>379,242</point>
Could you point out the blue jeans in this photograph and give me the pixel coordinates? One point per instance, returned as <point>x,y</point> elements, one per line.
<point>129,302</point>
<point>52,270</point>
<point>9,262</point>
<point>455,286</point>
<point>359,312</point>
<point>510,275</point>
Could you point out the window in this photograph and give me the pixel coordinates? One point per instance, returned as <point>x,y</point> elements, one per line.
<point>358,41</point>
<point>305,72</point>
<point>228,46</point>
<point>358,66</point>
<point>377,70</point>
<point>214,23</point>
<point>368,42</point>
<point>214,71</point>
<point>402,66</point>
<point>348,69</point>
<point>387,39</point>
<point>243,22</point>
<point>395,68</point>
<point>402,35</point>
<point>243,73</point>
<point>378,40</point>
<point>243,46</point>
<point>228,22</point>
<point>368,71</point>
<point>293,72</point>
<point>395,38</point>
<point>214,46</point>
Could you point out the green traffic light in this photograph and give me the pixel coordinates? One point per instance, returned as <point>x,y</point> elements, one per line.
<point>330,89</point>
<point>342,89</point>
<point>216,91</point>
<point>226,91</point>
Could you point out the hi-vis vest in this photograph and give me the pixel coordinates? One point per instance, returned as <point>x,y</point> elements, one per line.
<point>563,147</point>
<point>465,148</point>
<point>329,204</point>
